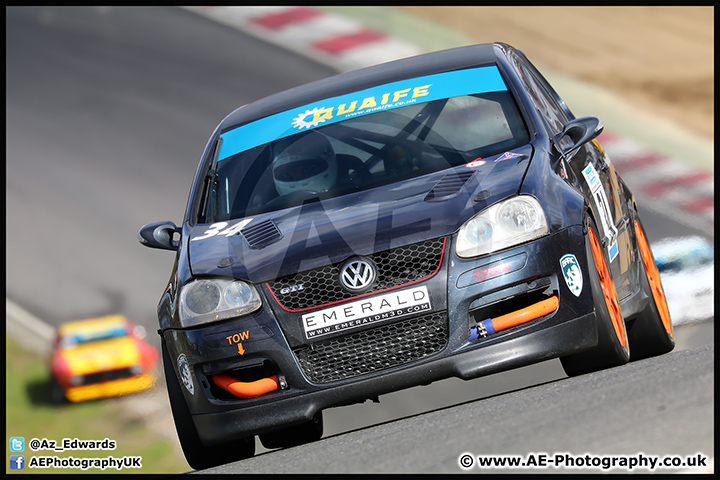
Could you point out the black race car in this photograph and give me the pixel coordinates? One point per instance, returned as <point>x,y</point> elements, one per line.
<point>436,216</point>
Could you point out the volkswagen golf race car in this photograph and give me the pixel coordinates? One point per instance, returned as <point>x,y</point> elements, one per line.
<point>438,216</point>
<point>101,357</point>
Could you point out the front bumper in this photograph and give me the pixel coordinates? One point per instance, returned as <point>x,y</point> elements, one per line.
<point>464,292</point>
<point>574,335</point>
<point>112,388</point>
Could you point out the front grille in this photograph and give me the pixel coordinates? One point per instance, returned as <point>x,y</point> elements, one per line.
<point>107,376</point>
<point>397,266</point>
<point>374,350</point>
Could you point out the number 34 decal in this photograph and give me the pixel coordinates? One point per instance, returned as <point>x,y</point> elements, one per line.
<point>217,229</point>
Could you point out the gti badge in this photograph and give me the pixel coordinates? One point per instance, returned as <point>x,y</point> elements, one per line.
<point>571,272</point>
<point>291,289</point>
<point>357,274</point>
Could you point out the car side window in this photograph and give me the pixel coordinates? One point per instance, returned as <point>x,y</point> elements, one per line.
<point>556,108</point>
<point>545,100</point>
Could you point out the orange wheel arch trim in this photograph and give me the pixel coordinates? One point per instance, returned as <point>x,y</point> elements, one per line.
<point>608,289</point>
<point>653,276</point>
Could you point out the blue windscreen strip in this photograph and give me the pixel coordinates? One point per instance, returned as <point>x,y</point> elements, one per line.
<point>331,110</point>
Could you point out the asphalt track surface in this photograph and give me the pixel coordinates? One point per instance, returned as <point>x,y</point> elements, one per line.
<point>108,111</point>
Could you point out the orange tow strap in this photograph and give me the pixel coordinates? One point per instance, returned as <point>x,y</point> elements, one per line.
<point>527,314</point>
<point>246,389</point>
<point>490,326</point>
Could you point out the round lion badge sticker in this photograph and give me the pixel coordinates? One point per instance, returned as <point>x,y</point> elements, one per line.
<point>185,375</point>
<point>571,272</point>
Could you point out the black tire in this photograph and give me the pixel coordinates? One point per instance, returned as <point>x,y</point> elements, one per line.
<point>613,347</point>
<point>196,453</point>
<point>296,435</point>
<point>57,394</point>
<point>652,332</point>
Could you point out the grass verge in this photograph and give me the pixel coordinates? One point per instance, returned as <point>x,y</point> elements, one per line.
<point>30,414</point>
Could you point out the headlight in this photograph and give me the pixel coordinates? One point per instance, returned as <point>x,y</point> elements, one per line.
<point>503,225</point>
<point>210,300</point>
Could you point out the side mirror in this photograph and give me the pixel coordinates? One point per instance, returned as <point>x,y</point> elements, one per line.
<point>159,235</point>
<point>578,132</point>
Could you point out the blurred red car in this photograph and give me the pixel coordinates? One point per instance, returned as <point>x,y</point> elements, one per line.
<point>101,357</point>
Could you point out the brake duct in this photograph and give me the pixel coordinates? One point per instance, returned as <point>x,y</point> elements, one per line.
<point>491,326</point>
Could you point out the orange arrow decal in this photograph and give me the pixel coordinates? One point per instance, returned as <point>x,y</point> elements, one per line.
<point>241,350</point>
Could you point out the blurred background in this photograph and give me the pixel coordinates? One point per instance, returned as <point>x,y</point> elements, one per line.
<point>657,58</point>
<point>108,110</point>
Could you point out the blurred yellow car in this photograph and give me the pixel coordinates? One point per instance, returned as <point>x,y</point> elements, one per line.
<point>101,357</point>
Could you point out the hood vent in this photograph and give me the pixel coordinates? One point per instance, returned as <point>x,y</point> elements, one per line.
<point>449,186</point>
<point>262,234</point>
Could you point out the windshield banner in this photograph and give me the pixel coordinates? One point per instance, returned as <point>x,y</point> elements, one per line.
<point>391,95</point>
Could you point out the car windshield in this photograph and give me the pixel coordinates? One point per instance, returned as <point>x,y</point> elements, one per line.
<point>364,151</point>
<point>77,338</point>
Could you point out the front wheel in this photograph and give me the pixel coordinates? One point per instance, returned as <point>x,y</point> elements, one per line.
<point>196,453</point>
<point>613,348</point>
<point>652,332</point>
<point>57,394</point>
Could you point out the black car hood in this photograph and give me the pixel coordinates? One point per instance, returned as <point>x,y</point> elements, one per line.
<point>329,231</point>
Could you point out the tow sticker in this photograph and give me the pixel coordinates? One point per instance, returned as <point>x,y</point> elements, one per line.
<point>185,375</point>
<point>571,272</point>
<point>609,230</point>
